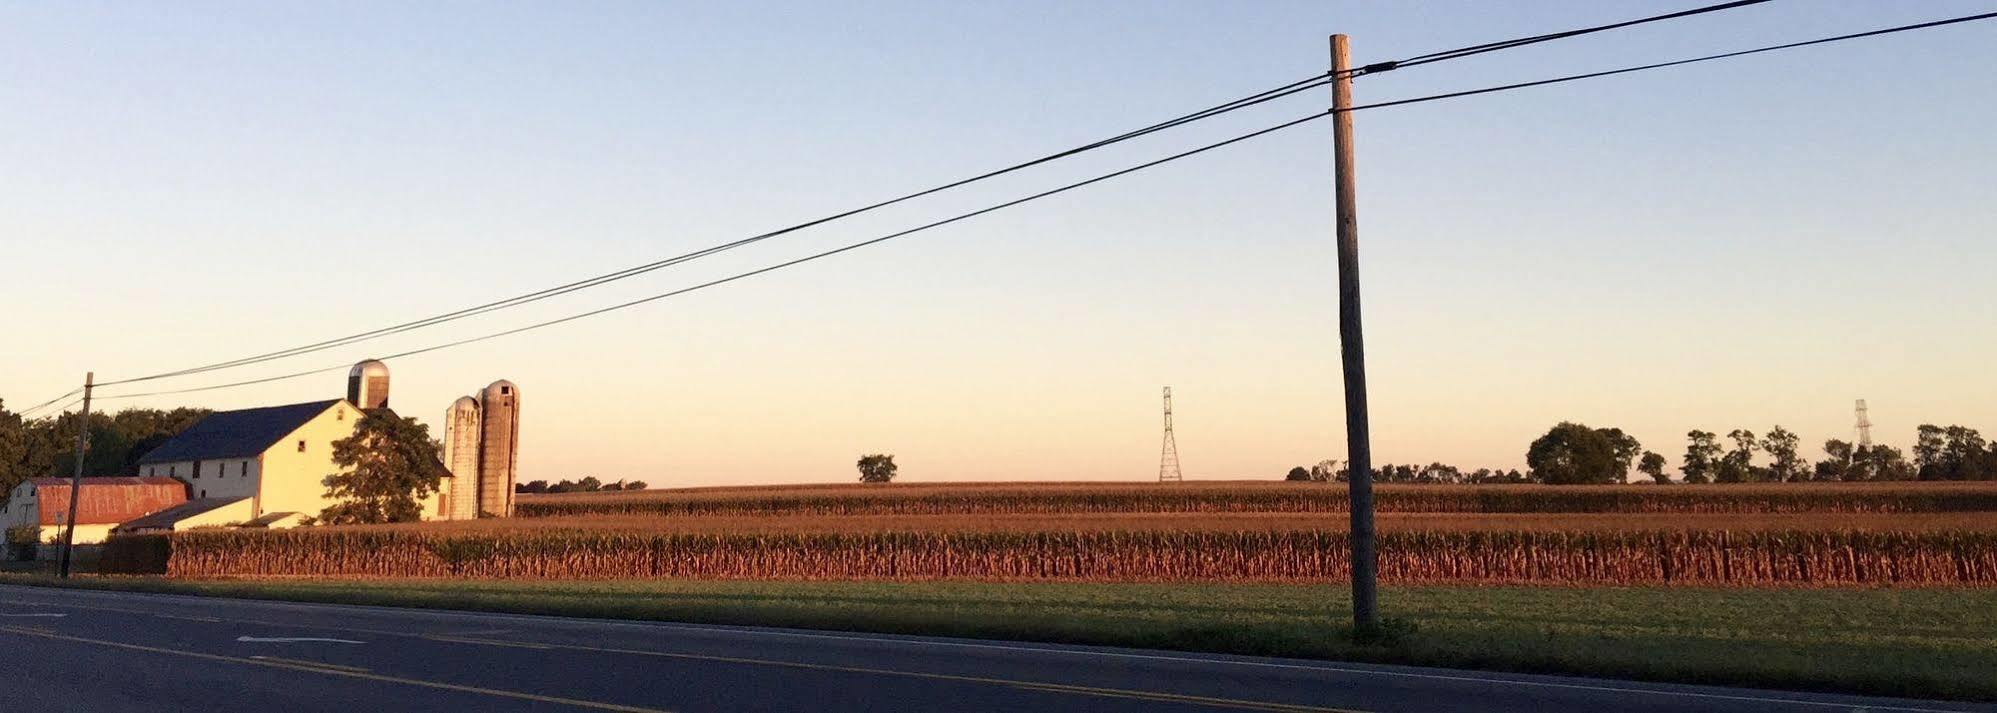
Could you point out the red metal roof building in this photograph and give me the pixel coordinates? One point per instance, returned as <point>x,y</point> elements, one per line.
<point>105,501</point>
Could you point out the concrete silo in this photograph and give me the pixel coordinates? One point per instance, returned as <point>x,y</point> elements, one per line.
<point>499,449</point>
<point>462,432</point>
<point>367,385</point>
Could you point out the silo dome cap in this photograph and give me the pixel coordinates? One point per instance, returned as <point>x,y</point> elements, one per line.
<point>371,367</point>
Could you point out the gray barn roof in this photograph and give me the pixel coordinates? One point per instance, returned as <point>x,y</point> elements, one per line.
<point>236,434</point>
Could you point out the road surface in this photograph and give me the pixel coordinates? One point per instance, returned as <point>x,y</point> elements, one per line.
<point>113,652</point>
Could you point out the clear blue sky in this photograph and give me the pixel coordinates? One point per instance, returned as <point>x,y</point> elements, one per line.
<point>1726,245</point>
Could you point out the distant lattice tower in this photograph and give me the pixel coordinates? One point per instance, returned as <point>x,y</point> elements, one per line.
<point>1864,426</point>
<point>1168,457</point>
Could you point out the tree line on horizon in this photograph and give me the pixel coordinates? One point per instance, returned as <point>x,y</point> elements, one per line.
<point>589,484</point>
<point>1576,454</point>
<point>43,447</point>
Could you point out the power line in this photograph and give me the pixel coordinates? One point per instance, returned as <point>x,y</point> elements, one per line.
<point>1674,63</point>
<point>1216,110</point>
<point>1241,103</point>
<point>762,270</point>
<point>1462,52</point>
<point>37,407</point>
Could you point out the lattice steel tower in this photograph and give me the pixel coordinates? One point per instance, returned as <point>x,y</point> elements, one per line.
<point>1168,457</point>
<point>1864,426</point>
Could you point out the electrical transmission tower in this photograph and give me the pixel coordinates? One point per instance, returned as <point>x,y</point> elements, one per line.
<point>1864,426</point>
<point>1168,457</point>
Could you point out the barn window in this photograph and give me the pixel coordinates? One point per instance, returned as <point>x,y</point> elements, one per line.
<point>244,471</point>
<point>301,446</point>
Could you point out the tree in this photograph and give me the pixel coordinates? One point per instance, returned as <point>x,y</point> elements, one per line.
<point>1928,444</point>
<point>589,484</point>
<point>1326,471</point>
<point>532,486</point>
<point>387,467</point>
<point>1883,462</point>
<point>877,468</point>
<point>1838,463</point>
<point>1298,474</point>
<point>1784,465</point>
<point>635,485</point>
<point>1572,453</point>
<point>1737,466</point>
<point>1653,466</point>
<point>1626,450</point>
<point>1702,456</point>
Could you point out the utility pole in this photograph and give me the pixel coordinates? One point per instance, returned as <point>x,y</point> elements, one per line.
<point>1358,439</point>
<point>76,475</point>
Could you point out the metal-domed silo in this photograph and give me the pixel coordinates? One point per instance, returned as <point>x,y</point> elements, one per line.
<point>462,432</point>
<point>499,449</point>
<point>367,385</point>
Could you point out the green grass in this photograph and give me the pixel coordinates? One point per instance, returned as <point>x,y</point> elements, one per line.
<point>1916,642</point>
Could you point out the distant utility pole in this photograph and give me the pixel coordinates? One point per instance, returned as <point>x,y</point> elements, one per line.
<point>1358,439</point>
<point>76,475</point>
<point>1168,456</point>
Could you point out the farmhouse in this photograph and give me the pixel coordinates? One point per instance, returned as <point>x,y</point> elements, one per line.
<point>246,465</point>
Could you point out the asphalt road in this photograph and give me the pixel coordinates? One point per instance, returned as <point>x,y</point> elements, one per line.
<point>69,650</point>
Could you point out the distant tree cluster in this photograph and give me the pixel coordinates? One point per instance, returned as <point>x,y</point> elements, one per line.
<point>1333,471</point>
<point>42,447</point>
<point>589,484</point>
<point>1573,453</point>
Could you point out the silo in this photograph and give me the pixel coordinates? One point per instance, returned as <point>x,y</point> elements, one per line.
<point>461,440</point>
<point>499,448</point>
<point>367,385</point>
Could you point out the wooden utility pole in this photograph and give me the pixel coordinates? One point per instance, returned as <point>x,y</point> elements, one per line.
<point>76,475</point>
<point>1358,439</point>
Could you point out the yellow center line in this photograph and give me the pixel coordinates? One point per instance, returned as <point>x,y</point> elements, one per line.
<point>316,664</point>
<point>325,669</point>
<point>1011,683</point>
<point>487,642</point>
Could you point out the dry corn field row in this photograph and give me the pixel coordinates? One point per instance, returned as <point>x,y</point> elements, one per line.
<point>1229,497</point>
<point>1820,558</point>
<point>1212,522</point>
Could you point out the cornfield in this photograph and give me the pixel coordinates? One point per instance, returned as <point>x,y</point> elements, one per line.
<point>967,499</point>
<point>1711,558</point>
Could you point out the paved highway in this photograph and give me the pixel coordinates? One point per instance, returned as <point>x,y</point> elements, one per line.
<point>67,650</point>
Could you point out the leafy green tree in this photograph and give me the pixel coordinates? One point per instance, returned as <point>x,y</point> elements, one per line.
<point>1838,462</point>
<point>1626,450</point>
<point>1883,462</point>
<point>635,485</point>
<point>1737,466</point>
<point>387,467</point>
<point>1298,474</point>
<point>1702,457</point>
<point>1572,453</point>
<point>877,468</point>
<point>1326,471</point>
<point>1653,466</point>
<point>1784,464</point>
<point>1928,445</point>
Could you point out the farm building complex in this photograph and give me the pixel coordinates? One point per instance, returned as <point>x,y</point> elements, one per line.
<point>267,467</point>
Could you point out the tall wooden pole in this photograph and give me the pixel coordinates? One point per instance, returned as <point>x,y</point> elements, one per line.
<point>1358,439</point>
<point>76,475</point>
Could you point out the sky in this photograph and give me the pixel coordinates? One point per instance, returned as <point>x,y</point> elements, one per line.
<point>1734,244</point>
